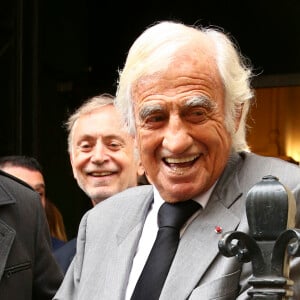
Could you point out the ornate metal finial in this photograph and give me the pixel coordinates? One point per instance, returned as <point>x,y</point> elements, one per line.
<point>271,241</point>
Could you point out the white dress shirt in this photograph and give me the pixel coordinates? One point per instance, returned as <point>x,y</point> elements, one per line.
<point>149,235</point>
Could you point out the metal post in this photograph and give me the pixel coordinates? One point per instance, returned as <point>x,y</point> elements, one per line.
<point>271,241</point>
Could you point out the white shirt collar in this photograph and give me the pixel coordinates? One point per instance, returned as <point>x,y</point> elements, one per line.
<point>201,199</point>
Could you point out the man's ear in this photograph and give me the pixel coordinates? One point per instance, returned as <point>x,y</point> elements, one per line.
<point>140,169</point>
<point>238,115</point>
<point>142,179</point>
<point>135,142</point>
<point>71,161</point>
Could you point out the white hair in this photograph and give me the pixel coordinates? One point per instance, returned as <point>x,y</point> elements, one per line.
<point>87,107</point>
<point>154,50</point>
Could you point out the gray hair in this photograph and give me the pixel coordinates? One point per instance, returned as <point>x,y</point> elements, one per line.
<point>154,50</point>
<point>87,107</point>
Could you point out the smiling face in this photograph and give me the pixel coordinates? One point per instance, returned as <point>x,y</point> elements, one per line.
<point>182,138</point>
<point>102,154</point>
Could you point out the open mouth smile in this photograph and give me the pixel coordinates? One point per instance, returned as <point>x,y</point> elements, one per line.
<point>180,162</point>
<point>101,174</point>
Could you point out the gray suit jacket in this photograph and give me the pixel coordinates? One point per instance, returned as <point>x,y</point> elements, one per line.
<point>109,234</point>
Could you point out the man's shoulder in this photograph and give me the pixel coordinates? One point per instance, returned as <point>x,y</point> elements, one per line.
<point>258,166</point>
<point>67,250</point>
<point>140,190</point>
<point>134,198</point>
<point>12,189</point>
<point>267,161</point>
<point>65,254</point>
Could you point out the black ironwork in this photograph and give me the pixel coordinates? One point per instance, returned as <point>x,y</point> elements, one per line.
<point>271,242</point>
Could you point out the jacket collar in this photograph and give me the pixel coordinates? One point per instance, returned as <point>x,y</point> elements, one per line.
<point>5,196</point>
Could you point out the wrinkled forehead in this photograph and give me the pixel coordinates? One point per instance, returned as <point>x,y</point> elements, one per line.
<point>189,69</point>
<point>104,124</point>
<point>99,119</point>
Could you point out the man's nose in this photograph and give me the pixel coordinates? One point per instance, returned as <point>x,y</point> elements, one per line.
<point>99,154</point>
<point>176,136</point>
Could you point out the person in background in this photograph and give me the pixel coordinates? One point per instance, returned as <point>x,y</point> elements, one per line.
<point>184,94</point>
<point>29,170</point>
<point>103,157</point>
<point>28,270</point>
<point>56,225</point>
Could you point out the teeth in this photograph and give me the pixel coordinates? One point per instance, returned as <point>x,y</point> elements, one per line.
<point>102,174</point>
<point>171,160</point>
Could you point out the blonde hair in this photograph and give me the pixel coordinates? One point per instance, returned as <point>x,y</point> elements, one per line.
<point>55,221</point>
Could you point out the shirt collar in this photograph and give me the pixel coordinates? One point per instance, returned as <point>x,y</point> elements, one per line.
<point>201,199</point>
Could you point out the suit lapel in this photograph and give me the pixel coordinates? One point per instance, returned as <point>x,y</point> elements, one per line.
<point>199,244</point>
<point>197,249</point>
<point>7,236</point>
<point>127,238</point>
<point>136,219</point>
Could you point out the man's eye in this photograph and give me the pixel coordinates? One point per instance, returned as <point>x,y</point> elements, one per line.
<point>155,118</point>
<point>197,115</point>
<point>85,147</point>
<point>40,191</point>
<point>198,112</point>
<point>115,145</point>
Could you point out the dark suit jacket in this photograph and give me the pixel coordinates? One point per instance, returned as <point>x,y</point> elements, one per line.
<point>28,270</point>
<point>56,243</point>
<point>65,254</point>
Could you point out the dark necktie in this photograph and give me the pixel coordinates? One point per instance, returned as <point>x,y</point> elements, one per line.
<point>171,218</point>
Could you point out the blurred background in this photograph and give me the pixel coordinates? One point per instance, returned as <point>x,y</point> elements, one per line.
<point>56,53</point>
